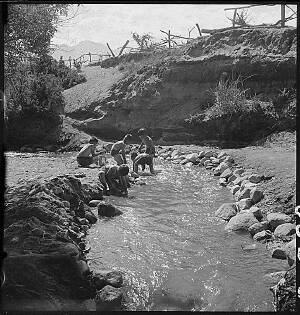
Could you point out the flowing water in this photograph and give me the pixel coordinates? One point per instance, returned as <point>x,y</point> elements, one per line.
<point>173,252</point>
<point>175,255</point>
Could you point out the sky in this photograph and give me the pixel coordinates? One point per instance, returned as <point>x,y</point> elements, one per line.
<point>114,23</point>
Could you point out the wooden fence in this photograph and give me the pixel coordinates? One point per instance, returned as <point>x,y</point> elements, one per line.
<point>238,21</point>
<point>89,57</point>
<point>172,40</point>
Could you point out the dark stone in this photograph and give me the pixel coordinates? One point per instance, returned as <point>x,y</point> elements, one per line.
<point>90,217</point>
<point>109,298</point>
<point>108,210</point>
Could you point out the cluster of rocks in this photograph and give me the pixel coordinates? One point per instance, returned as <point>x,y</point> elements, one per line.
<point>244,214</point>
<point>45,231</point>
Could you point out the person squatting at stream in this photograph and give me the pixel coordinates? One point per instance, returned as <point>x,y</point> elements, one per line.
<point>148,143</point>
<point>88,155</point>
<point>113,179</point>
<point>142,159</point>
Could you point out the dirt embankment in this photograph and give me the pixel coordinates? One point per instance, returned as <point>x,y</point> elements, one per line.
<point>164,89</point>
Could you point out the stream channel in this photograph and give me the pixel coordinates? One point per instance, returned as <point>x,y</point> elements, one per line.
<point>175,254</point>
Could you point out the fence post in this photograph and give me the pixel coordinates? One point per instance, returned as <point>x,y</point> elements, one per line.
<point>234,17</point>
<point>198,29</point>
<point>70,61</point>
<point>90,57</point>
<point>169,38</point>
<point>112,53</point>
<point>282,15</point>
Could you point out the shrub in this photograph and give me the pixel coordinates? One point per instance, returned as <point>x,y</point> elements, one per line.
<point>229,98</point>
<point>33,98</point>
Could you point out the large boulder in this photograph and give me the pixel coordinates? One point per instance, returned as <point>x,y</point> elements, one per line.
<point>277,218</point>
<point>285,229</point>
<point>226,211</point>
<point>242,221</point>
<point>106,209</point>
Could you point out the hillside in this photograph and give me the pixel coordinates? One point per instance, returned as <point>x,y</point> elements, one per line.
<point>170,92</point>
<point>77,50</point>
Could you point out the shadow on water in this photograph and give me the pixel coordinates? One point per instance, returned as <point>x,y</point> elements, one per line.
<point>173,251</point>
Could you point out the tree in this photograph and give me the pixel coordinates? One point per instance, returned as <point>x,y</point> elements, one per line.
<point>29,31</point>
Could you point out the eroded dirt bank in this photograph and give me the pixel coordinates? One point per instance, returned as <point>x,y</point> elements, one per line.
<point>162,90</point>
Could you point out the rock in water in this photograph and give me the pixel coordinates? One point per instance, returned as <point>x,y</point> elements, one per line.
<point>106,209</point>
<point>104,277</point>
<point>279,253</point>
<point>109,298</point>
<point>242,221</point>
<point>226,211</point>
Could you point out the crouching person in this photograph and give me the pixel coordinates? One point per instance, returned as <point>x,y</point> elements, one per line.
<point>142,159</point>
<point>113,179</point>
<point>88,155</point>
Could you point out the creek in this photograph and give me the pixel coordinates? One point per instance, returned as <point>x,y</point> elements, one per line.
<point>175,254</point>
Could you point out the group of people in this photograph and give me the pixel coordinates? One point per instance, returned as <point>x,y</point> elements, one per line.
<point>114,178</point>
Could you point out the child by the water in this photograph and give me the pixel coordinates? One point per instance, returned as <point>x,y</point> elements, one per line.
<point>113,180</point>
<point>118,150</point>
<point>88,155</point>
<point>148,143</point>
<point>142,159</point>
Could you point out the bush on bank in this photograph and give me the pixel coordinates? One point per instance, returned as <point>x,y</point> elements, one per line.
<point>236,116</point>
<point>34,99</point>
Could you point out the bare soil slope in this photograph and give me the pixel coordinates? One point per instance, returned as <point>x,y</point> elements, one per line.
<point>170,86</point>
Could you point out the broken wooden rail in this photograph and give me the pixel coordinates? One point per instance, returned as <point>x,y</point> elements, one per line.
<point>282,20</point>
